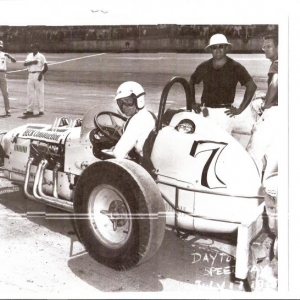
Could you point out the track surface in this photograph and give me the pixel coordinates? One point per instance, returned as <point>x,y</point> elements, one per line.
<point>39,252</point>
<point>76,82</point>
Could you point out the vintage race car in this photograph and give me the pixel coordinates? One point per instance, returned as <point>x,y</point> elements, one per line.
<point>194,176</point>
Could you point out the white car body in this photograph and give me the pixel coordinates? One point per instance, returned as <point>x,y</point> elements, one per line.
<point>207,180</point>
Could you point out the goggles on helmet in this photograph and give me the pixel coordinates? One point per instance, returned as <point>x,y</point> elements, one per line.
<point>127,101</point>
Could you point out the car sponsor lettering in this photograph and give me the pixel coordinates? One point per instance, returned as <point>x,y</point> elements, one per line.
<point>45,133</point>
<point>40,134</point>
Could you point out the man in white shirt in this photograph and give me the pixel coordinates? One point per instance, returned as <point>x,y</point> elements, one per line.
<point>37,66</point>
<point>4,58</point>
<point>130,98</point>
<point>264,139</point>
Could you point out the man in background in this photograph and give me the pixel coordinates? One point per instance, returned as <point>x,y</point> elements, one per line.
<point>262,145</point>
<point>5,57</point>
<point>37,66</point>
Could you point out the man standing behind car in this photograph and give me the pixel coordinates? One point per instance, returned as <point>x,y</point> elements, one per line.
<point>3,82</point>
<point>37,66</point>
<point>263,142</point>
<point>220,75</point>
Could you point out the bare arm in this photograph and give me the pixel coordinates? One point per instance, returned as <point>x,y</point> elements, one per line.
<point>29,63</point>
<point>45,68</point>
<point>43,72</point>
<point>10,57</point>
<point>192,89</point>
<point>272,91</point>
<point>250,90</point>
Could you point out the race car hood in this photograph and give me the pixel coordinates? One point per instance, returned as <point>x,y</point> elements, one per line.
<point>42,132</point>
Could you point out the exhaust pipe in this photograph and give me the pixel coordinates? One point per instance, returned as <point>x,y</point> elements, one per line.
<point>37,179</point>
<point>55,174</point>
<point>27,175</point>
<point>38,194</point>
<point>58,203</point>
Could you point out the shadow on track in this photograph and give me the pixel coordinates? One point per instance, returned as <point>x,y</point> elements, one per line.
<point>4,116</point>
<point>29,117</point>
<point>184,262</point>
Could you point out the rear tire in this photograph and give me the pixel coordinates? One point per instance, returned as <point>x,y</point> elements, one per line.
<point>119,213</point>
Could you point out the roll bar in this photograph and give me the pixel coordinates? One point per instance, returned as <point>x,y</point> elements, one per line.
<point>164,96</point>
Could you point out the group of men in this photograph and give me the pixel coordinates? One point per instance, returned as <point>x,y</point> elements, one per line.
<point>220,76</point>
<point>37,66</point>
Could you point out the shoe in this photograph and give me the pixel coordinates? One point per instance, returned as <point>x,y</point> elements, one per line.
<point>41,113</point>
<point>8,114</point>
<point>28,113</point>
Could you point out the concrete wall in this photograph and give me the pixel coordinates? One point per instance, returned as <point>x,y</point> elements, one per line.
<point>137,45</point>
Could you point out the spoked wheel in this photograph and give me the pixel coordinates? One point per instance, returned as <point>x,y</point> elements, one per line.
<point>119,213</point>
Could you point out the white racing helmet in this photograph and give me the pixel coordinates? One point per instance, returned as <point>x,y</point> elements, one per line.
<point>133,89</point>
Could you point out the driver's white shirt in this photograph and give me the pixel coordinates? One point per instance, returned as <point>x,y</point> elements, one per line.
<point>137,130</point>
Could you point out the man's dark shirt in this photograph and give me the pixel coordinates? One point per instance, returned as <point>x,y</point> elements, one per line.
<point>219,85</point>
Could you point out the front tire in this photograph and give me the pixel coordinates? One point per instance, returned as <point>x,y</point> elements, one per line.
<point>119,213</point>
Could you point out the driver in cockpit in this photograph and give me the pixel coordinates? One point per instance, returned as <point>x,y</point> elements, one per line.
<point>130,98</point>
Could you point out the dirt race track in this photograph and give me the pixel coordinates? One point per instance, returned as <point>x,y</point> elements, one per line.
<point>40,255</point>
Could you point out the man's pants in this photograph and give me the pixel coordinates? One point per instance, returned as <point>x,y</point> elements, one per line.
<point>271,199</point>
<point>35,89</point>
<point>218,116</point>
<point>4,90</point>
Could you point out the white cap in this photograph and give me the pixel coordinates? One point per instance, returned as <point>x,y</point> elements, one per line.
<point>217,39</point>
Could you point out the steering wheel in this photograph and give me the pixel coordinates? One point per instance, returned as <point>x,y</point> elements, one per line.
<point>112,132</point>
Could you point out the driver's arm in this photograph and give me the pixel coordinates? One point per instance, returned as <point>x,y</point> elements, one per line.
<point>127,140</point>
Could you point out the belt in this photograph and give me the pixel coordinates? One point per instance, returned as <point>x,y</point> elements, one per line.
<point>227,105</point>
<point>2,70</point>
<point>35,72</point>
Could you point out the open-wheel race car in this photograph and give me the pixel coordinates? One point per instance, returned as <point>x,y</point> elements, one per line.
<point>194,176</point>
